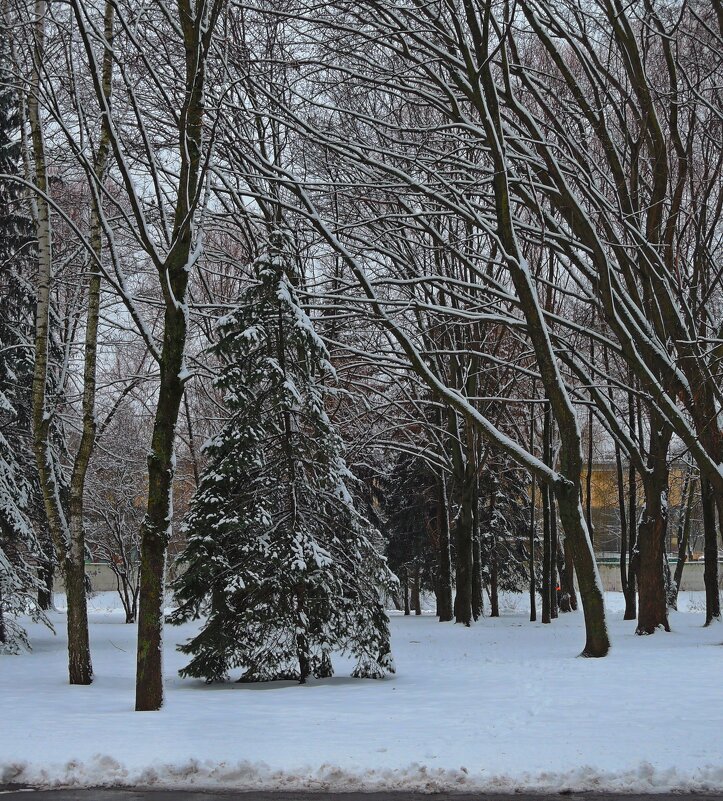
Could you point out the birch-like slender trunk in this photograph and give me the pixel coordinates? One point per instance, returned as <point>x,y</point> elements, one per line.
<point>66,535</point>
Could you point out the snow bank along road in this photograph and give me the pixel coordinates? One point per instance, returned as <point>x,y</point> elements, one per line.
<point>501,707</point>
<point>221,795</point>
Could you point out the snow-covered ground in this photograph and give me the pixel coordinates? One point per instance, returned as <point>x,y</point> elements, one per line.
<point>503,706</point>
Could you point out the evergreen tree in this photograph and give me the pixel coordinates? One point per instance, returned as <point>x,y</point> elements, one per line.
<point>504,525</point>
<point>278,557</point>
<point>411,525</point>
<point>19,547</point>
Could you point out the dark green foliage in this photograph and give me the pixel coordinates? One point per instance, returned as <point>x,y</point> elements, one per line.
<point>278,558</point>
<point>504,514</point>
<point>19,494</point>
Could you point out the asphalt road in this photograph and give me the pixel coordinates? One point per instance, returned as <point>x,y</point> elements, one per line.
<point>30,794</point>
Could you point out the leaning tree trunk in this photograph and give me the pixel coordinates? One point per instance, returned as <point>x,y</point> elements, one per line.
<point>567,484</point>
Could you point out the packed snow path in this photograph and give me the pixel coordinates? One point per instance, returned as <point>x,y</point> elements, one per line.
<point>499,707</point>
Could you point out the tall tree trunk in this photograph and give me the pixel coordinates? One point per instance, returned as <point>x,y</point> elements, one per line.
<point>45,591</point>
<point>567,484</point>
<point>444,556</point>
<point>568,598</point>
<point>546,527</point>
<point>653,606</point>
<point>405,587</point>
<point>710,552</point>
<point>622,512</point>
<point>464,563</point>
<point>464,557</point>
<point>631,611</point>
<point>477,602</point>
<point>553,559</point>
<point>416,593</point>
<point>173,275</point>
<point>494,584</point>
<point>531,531</point>
<point>66,539</point>
<point>684,527</point>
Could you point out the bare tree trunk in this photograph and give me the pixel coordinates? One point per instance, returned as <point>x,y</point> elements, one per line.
<point>653,606</point>
<point>464,563</point>
<point>476,555</point>
<point>494,588</point>
<point>684,532</point>
<point>173,277</point>
<point>531,532</point>
<point>631,611</point>
<point>623,520</point>
<point>710,552</point>
<point>67,539</point>
<point>553,560</point>
<point>444,596</point>
<point>416,591</point>
<point>546,527</point>
<point>567,486</point>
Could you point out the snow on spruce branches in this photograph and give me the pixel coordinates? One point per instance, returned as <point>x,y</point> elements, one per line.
<point>278,558</point>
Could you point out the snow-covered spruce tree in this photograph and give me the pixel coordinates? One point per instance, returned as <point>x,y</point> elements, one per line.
<point>19,548</point>
<point>278,558</point>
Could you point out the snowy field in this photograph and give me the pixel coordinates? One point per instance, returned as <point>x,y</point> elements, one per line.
<point>503,706</point>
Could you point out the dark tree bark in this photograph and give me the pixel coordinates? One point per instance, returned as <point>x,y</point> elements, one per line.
<point>45,592</point>
<point>710,552</point>
<point>531,533</point>
<point>653,605</point>
<point>444,579</point>
<point>631,610</point>
<point>553,560</point>
<point>684,527</point>
<point>477,602</point>
<point>494,588</point>
<point>416,594</point>
<point>546,527</point>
